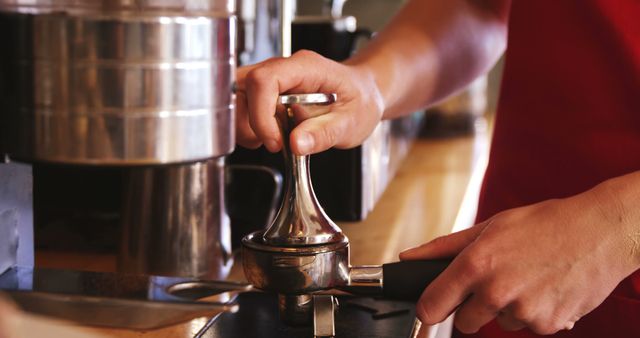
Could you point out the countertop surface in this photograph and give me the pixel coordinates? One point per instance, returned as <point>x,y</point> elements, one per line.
<point>425,199</point>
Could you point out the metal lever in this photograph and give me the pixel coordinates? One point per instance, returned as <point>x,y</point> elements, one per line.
<point>323,316</point>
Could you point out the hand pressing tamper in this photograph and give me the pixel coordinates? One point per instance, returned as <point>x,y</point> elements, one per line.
<point>303,252</point>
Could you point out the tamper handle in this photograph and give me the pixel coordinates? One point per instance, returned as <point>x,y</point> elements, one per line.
<point>301,220</point>
<point>407,280</point>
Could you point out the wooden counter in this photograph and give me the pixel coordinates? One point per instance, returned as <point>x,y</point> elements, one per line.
<point>422,202</point>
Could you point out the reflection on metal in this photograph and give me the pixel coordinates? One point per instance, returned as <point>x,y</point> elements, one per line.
<point>366,279</point>
<point>113,300</point>
<point>111,83</point>
<point>16,214</point>
<point>323,321</point>
<point>286,17</point>
<point>258,30</point>
<point>175,221</point>
<point>300,221</point>
<point>295,270</point>
<point>296,310</point>
<point>8,239</point>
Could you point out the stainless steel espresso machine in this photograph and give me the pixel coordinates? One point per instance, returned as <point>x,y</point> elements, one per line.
<point>141,85</point>
<point>141,88</point>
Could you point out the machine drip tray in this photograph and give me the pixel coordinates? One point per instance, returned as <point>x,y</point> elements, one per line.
<point>355,317</point>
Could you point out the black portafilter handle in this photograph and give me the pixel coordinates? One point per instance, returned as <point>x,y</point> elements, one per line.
<point>406,280</point>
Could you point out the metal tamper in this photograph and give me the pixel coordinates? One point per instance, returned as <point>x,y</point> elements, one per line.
<point>302,254</point>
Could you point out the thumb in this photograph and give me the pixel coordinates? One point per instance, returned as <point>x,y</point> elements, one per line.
<point>320,133</point>
<point>445,246</point>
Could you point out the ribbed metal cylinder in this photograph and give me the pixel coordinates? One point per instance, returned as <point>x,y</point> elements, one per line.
<point>98,83</point>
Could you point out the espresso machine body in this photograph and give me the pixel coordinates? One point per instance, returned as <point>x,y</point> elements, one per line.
<point>118,86</point>
<point>137,93</point>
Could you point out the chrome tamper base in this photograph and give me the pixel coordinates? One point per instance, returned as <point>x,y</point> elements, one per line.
<point>295,272</point>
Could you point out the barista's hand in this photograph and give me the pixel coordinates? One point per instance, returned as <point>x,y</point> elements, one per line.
<point>542,266</point>
<point>349,121</point>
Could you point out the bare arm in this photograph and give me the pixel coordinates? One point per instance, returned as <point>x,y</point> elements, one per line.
<point>431,49</point>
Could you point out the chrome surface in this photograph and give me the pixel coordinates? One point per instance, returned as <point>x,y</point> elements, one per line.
<point>258,30</point>
<point>175,221</point>
<point>296,310</point>
<point>288,9</point>
<point>210,7</point>
<point>366,276</point>
<point>314,98</point>
<point>208,290</point>
<point>116,82</point>
<point>109,299</point>
<point>323,316</point>
<point>9,239</point>
<point>16,215</point>
<point>301,220</point>
<point>294,271</point>
<point>121,313</point>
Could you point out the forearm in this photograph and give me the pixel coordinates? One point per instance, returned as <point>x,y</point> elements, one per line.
<point>618,201</point>
<point>433,48</point>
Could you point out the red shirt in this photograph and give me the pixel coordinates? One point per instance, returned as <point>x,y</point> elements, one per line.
<point>568,119</point>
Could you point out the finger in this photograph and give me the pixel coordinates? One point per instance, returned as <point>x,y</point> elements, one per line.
<point>509,323</point>
<point>244,134</point>
<point>474,313</point>
<point>303,72</point>
<point>444,294</point>
<point>445,246</point>
<point>241,76</point>
<point>319,133</point>
<point>549,322</point>
<point>262,96</point>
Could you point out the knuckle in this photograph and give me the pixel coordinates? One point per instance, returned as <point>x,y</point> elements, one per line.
<point>465,324</point>
<point>464,327</point>
<point>543,328</point>
<point>521,311</point>
<point>504,218</point>
<point>493,301</point>
<point>477,263</point>
<point>305,53</point>
<point>440,241</point>
<point>258,77</point>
